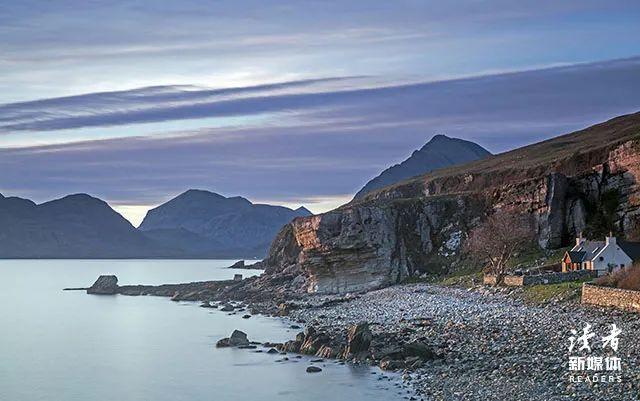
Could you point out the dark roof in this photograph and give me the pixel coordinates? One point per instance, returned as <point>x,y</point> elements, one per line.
<point>590,249</point>
<point>576,257</point>
<point>630,248</point>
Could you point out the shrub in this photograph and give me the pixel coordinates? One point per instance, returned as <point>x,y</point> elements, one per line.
<point>631,281</point>
<point>626,279</point>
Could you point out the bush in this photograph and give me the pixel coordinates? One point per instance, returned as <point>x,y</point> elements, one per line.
<point>626,279</point>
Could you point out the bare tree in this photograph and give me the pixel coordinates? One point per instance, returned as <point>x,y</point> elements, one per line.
<point>498,239</point>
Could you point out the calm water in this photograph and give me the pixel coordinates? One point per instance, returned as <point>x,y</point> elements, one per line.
<point>68,346</point>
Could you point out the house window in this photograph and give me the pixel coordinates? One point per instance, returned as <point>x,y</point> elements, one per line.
<point>601,258</point>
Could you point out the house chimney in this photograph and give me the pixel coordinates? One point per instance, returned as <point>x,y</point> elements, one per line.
<point>610,239</point>
<point>579,239</point>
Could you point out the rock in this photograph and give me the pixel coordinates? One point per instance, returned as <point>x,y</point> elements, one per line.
<point>317,360</point>
<point>312,344</point>
<point>272,351</point>
<point>238,338</point>
<point>238,265</point>
<point>247,346</point>
<point>313,369</point>
<point>290,346</point>
<point>295,327</point>
<point>391,364</point>
<point>329,352</point>
<point>246,316</point>
<point>358,339</point>
<point>206,304</point>
<point>286,307</point>
<point>104,285</point>
<point>418,349</point>
<point>227,308</point>
<point>223,342</point>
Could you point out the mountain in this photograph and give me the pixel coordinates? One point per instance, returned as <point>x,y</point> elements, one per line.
<point>441,151</point>
<point>567,185</point>
<point>76,226</point>
<point>210,225</point>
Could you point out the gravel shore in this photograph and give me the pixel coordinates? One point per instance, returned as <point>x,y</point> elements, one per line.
<point>495,347</point>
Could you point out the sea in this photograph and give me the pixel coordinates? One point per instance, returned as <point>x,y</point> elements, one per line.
<point>60,345</point>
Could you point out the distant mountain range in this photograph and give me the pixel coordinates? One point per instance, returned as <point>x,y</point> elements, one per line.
<point>76,226</point>
<point>205,223</point>
<point>194,224</point>
<point>441,151</point>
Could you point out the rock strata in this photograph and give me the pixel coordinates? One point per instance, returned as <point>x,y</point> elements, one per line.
<point>419,225</point>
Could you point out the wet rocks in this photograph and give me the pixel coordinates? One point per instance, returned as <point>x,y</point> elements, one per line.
<point>227,308</point>
<point>313,369</point>
<point>237,339</point>
<point>104,285</point>
<point>358,339</point>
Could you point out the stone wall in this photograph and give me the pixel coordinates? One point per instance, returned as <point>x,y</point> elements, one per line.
<point>545,278</point>
<point>607,296</point>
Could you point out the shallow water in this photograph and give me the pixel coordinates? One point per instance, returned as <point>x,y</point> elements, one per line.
<point>66,345</point>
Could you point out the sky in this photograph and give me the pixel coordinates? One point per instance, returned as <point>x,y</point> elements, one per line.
<point>290,102</point>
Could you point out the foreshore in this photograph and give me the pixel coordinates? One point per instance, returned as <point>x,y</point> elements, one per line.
<point>449,343</point>
<point>493,346</point>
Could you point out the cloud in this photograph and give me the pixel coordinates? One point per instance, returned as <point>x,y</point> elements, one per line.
<point>324,138</point>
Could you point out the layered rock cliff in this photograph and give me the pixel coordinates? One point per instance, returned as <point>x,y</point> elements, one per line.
<point>586,180</point>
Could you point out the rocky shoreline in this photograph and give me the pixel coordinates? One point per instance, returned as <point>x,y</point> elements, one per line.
<point>448,343</point>
<point>486,344</point>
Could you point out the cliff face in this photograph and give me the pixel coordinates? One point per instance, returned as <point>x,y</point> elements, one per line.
<point>569,184</point>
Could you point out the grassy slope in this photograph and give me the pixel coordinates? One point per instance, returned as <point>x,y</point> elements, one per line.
<point>550,154</point>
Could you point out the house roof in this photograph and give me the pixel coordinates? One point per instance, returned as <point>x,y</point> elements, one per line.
<point>632,249</point>
<point>589,248</point>
<point>576,256</point>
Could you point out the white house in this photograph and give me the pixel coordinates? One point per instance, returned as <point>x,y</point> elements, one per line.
<point>602,256</point>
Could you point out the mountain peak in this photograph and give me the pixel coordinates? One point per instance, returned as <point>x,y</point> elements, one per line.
<point>441,151</point>
<point>199,192</point>
<point>439,137</point>
<point>303,211</point>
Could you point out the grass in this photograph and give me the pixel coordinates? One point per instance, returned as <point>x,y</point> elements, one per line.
<point>545,293</point>
<point>536,257</point>
<point>460,278</point>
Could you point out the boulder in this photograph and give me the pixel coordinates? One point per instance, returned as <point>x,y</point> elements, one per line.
<point>227,308</point>
<point>104,285</point>
<point>418,349</point>
<point>238,338</point>
<point>358,339</point>
<point>312,344</point>
<point>313,369</point>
